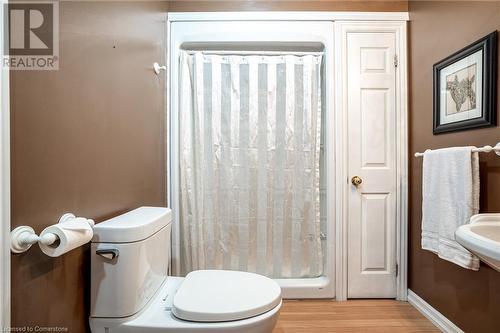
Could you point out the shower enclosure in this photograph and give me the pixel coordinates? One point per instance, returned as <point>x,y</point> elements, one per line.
<point>257,151</point>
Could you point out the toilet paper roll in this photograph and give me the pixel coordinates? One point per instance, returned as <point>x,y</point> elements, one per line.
<point>71,234</point>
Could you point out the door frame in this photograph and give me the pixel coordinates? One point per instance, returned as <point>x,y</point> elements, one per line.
<point>344,22</point>
<point>342,29</point>
<point>5,181</point>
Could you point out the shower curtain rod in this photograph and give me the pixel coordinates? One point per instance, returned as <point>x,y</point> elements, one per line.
<point>208,52</point>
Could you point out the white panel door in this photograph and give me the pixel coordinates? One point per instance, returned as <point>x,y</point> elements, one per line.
<point>371,150</point>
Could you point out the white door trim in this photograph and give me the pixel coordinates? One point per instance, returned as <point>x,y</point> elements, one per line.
<point>288,16</point>
<point>5,187</point>
<point>342,28</point>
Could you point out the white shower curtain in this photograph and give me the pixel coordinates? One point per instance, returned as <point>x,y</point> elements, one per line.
<point>249,163</point>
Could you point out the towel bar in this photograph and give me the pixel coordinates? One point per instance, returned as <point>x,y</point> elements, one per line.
<point>485,149</point>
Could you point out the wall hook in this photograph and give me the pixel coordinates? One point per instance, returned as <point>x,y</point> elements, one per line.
<point>157,68</point>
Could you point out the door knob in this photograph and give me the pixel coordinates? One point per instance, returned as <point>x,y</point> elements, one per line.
<point>356,181</point>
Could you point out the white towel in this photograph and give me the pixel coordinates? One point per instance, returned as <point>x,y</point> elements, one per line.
<point>450,188</point>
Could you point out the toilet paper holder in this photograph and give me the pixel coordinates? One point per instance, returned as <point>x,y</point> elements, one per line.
<point>23,237</point>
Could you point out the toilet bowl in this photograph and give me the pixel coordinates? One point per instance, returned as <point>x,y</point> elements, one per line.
<point>131,292</point>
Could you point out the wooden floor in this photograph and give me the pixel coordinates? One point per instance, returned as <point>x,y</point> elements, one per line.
<point>320,316</point>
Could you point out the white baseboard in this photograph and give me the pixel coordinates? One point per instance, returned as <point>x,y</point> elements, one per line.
<point>441,322</point>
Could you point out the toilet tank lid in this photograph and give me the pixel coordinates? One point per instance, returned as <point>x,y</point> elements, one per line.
<point>133,226</point>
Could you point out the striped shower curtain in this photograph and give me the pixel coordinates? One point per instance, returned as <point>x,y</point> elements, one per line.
<point>249,163</point>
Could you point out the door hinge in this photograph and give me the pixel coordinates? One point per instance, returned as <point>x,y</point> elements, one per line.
<point>396,60</point>
<point>397,270</point>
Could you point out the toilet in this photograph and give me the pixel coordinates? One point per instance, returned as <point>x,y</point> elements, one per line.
<point>132,292</point>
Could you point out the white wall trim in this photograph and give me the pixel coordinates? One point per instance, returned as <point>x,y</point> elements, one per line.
<point>340,92</point>
<point>287,16</point>
<point>342,28</point>
<point>441,322</point>
<point>5,185</point>
<point>402,152</point>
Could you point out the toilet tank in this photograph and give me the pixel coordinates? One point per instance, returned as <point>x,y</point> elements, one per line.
<point>130,254</point>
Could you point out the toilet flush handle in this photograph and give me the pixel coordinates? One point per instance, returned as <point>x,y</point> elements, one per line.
<point>108,253</point>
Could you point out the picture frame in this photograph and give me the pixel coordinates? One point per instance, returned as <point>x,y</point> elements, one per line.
<point>465,87</point>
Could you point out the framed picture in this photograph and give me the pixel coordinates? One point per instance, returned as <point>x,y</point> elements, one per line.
<point>465,87</point>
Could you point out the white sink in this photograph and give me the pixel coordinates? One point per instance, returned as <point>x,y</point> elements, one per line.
<point>482,237</point>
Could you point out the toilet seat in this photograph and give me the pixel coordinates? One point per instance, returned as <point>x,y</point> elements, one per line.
<point>218,296</point>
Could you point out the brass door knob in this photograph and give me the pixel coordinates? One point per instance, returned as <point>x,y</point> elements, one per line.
<point>356,181</point>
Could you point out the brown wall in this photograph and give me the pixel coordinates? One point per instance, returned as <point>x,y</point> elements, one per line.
<point>88,139</point>
<point>437,29</point>
<point>312,5</point>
